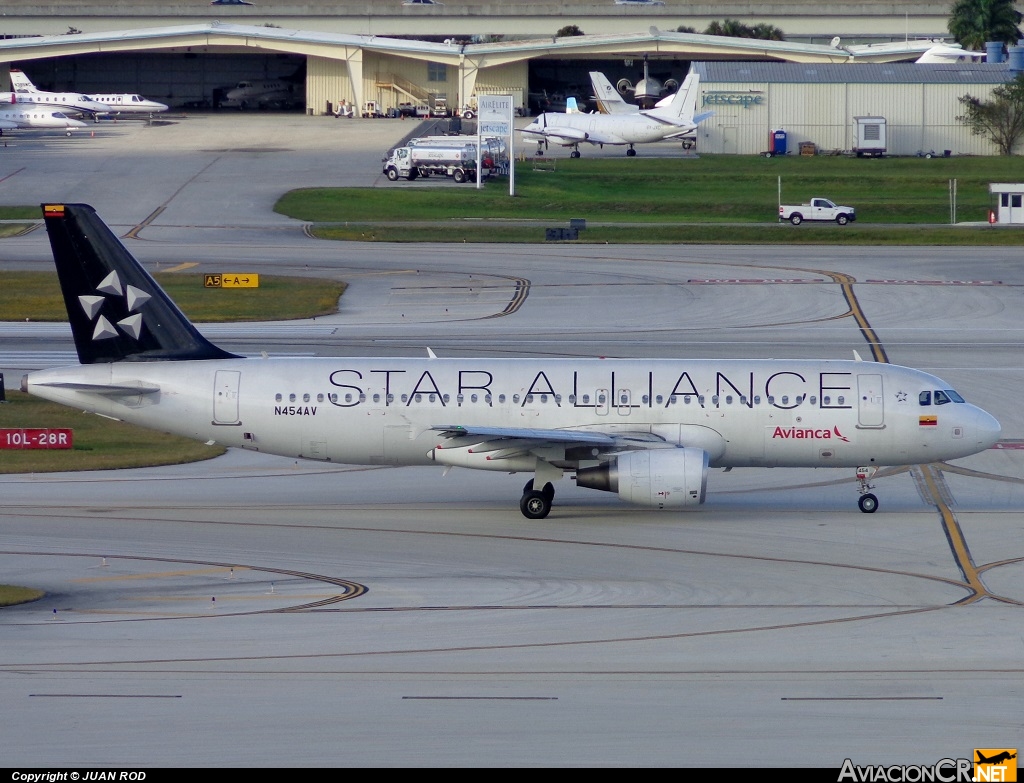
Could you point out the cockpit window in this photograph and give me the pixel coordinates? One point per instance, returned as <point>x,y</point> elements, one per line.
<point>941,396</point>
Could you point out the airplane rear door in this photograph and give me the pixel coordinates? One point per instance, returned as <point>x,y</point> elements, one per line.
<point>225,396</point>
<point>870,408</point>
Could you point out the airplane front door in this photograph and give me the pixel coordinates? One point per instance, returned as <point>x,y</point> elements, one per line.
<point>870,406</point>
<point>225,396</point>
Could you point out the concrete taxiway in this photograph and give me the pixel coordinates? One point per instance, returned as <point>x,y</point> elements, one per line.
<point>255,611</point>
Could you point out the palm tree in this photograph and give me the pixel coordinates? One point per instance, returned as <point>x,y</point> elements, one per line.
<point>730,27</point>
<point>973,22</point>
<point>766,32</point>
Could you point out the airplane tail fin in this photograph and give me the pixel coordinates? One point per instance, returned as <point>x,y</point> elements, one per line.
<point>20,82</point>
<point>609,100</point>
<point>680,110</point>
<point>117,311</point>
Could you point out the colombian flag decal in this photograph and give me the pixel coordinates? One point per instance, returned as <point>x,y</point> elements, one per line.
<point>53,210</point>
<point>927,421</point>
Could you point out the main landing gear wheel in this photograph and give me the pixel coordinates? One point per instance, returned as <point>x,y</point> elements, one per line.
<point>536,504</point>
<point>868,503</point>
<point>631,153</point>
<point>574,154</point>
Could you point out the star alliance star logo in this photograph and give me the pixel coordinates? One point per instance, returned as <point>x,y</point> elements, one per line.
<point>901,396</point>
<point>134,299</point>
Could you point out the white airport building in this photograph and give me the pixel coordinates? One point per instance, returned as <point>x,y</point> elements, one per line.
<point>819,104</point>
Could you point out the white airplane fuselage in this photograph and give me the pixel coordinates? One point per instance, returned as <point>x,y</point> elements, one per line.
<point>380,411</point>
<point>632,128</point>
<point>129,103</point>
<point>29,115</point>
<point>261,92</point>
<point>76,103</point>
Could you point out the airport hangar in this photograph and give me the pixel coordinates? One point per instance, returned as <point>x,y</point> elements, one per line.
<point>811,90</point>
<point>810,21</point>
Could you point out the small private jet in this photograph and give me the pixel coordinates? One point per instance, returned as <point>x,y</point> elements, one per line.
<point>648,91</point>
<point>15,115</point>
<point>112,103</point>
<point>74,103</point>
<point>259,93</point>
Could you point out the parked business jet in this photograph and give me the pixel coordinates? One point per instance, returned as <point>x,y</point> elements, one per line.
<point>261,93</point>
<point>16,115</point>
<point>129,103</point>
<point>648,91</point>
<point>672,121</point>
<point>69,102</point>
<point>115,103</point>
<point>610,101</point>
<point>648,430</point>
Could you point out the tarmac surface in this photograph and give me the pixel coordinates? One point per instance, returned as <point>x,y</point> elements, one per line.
<point>255,611</point>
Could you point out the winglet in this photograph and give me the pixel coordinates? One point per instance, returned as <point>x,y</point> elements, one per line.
<point>856,356</point>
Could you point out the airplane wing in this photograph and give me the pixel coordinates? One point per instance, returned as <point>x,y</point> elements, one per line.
<point>524,438</point>
<point>8,125</point>
<point>565,136</point>
<point>605,138</point>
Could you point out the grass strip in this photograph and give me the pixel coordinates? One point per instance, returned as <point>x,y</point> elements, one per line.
<point>99,443</point>
<point>709,188</point>
<point>35,296</point>
<point>11,595</point>
<point>782,234</point>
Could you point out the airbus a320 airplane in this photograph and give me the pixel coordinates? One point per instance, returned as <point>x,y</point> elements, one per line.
<point>648,430</point>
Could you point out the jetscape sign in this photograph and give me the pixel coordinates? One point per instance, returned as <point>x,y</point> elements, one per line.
<point>745,99</point>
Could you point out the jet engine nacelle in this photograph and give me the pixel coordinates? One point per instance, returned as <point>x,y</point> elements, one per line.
<point>670,85</point>
<point>624,86</point>
<point>663,478</point>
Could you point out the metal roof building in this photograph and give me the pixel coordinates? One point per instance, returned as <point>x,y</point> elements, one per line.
<point>818,103</point>
<point>184,64</point>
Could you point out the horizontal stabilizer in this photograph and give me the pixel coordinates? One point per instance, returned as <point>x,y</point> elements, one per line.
<point>110,389</point>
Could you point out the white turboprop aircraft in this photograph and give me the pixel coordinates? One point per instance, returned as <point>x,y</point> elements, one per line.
<point>70,102</point>
<point>674,120</point>
<point>114,103</point>
<point>648,430</point>
<point>16,115</point>
<point>609,101</point>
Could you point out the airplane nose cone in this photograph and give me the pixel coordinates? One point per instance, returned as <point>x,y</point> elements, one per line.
<point>988,429</point>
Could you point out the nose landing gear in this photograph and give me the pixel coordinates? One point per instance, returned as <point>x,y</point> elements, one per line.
<point>868,502</point>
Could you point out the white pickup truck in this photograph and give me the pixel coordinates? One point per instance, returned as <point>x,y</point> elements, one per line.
<point>817,209</point>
